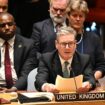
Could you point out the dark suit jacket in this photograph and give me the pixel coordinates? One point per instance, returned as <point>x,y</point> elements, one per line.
<point>50,67</point>
<point>92,45</point>
<point>24,60</point>
<point>18,30</point>
<point>44,36</point>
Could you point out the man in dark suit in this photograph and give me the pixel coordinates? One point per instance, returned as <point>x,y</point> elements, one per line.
<point>52,64</point>
<point>44,33</point>
<point>21,53</point>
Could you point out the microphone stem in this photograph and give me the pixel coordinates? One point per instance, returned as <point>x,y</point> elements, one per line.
<point>74,78</point>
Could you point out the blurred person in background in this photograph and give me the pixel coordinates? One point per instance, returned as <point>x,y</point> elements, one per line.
<point>44,32</point>
<point>87,42</point>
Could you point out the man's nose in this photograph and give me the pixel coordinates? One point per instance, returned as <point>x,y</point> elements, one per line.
<point>7,26</point>
<point>1,10</point>
<point>78,18</point>
<point>58,12</point>
<point>67,46</point>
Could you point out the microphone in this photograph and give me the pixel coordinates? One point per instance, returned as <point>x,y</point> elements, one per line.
<point>73,77</point>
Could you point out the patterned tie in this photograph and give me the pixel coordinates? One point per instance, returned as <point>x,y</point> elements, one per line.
<point>8,74</point>
<point>65,70</point>
<point>58,27</point>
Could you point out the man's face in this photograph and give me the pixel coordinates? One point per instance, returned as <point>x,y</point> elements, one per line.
<point>66,45</point>
<point>7,27</point>
<point>76,19</point>
<point>3,6</point>
<point>58,10</point>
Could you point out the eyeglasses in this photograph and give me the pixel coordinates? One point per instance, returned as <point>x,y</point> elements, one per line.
<point>69,44</point>
<point>2,25</point>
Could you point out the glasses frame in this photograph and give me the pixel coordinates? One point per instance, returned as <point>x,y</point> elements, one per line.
<point>64,44</point>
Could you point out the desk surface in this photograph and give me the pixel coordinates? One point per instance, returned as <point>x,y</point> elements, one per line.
<point>95,102</point>
<point>11,96</point>
<point>62,103</point>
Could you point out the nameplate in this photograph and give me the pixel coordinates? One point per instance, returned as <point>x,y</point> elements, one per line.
<point>79,97</point>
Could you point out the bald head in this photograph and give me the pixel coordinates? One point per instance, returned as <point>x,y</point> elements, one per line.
<point>3,6</point>
<point>6,17</point>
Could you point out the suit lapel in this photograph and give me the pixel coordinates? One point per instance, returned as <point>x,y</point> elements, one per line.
<point>76,66</point>
<point>48,36</point>
<point>18,52</point>
<point>57,65</point>
<point>50,25</point>
<point>50,28</point>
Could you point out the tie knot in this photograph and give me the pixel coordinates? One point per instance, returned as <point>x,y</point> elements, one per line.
<point>58,26</point>
<point>66,63</point>
<point>6,43</point>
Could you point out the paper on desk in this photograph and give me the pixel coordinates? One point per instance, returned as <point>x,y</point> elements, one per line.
<point>68,84</point>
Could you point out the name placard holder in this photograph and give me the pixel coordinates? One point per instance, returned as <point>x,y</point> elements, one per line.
<point>79,96</point>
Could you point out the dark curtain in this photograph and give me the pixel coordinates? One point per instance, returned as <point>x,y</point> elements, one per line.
<point>27,13</point>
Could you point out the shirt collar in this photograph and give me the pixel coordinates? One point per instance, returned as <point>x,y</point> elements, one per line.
<point>1,42</point>
<point>63,24</point>
<point>62,60</point>
<point>11,41</point>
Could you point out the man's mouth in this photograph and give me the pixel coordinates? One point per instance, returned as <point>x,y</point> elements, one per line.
<point>67,52</point>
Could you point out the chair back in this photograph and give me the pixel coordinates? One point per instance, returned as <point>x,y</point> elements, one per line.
<point>31,80</point>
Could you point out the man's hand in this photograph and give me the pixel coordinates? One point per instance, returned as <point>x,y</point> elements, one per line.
<point>98,74</point>
<point>49,88</point>
<point>86,86</point>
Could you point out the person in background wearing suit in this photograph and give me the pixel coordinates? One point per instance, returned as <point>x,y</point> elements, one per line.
<point>87,42</point>
<point>21,54</point>
<point>4,8</point>
<point>51,64</point>
<point>44,32</point>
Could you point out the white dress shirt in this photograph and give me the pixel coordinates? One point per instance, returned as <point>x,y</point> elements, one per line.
<point>11,53</point>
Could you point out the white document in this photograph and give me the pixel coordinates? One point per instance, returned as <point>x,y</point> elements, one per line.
<point>68,84</point>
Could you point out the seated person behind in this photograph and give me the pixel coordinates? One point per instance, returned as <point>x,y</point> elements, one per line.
<point>16,53</point>
<point>51,64</point>
<point>87,41</point>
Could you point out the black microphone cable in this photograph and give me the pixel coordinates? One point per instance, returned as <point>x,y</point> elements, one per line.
<point>73,77</point>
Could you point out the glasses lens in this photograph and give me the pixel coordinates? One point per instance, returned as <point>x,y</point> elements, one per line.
<point>70,44</point>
